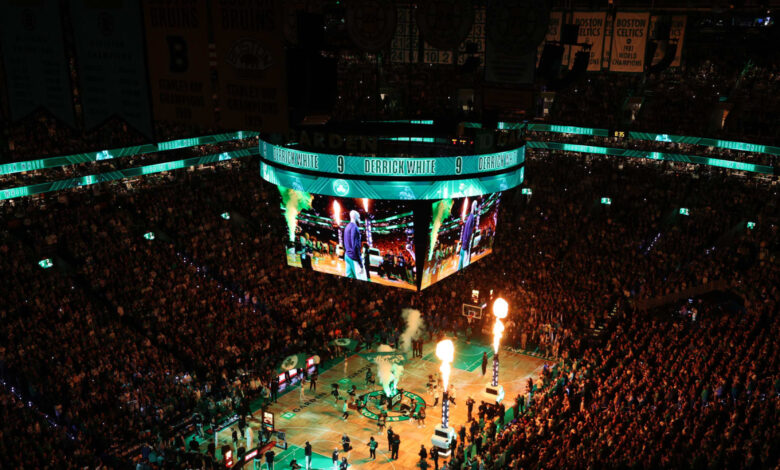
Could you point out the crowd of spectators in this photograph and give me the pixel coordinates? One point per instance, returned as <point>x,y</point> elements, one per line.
<point>176,324</point>
<point>658,389</point>
<point>41,135</point>
<point>686,100</point>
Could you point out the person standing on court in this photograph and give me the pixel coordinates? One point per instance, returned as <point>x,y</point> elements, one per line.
<point>423,453</point>
<point>335,458</point>
<point>313,381</point>
<point>269,459</point>
<point>346,444</point>
<point>307,454</point>
<point>274,388</point>
<point>469,406</point>
<point>372,445</point>
<point>390,438</point>
<point>352,259</point>
<point>396,446</point>
<point>435,457</point>
<point>484,363</point>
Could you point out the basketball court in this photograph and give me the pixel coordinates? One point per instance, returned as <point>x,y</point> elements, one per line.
<point>318,419</point>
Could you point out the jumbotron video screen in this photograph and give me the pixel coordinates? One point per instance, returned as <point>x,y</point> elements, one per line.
<point>462,232</point>
<point>370,240</point>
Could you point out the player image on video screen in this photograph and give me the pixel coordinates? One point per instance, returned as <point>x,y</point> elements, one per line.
<point>462,232</point>
<point>366,239</point>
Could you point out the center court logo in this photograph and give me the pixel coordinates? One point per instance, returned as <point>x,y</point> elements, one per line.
<point>341,187</point>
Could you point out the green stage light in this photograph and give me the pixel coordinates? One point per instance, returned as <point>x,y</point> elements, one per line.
<point>149,235</point>
<point>225,215</point>
<point>751,225</point>
<point>527,191</point>
<point>684,211</point>
<point>606,201</point>
<point>45,263</point>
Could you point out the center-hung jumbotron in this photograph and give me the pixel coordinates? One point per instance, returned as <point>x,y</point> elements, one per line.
<point>398,210</point>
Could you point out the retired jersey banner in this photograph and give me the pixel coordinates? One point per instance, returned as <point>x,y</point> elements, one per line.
<point>177,56</point>
<point>606,53</point>
<point>629,39</point>
<point>36,71</point>
<point>110,57</point>
<point>676,32</point>
<point>553,32</point>
<point>371,23</point>
<point>591,31</point>
<point>250,64</point>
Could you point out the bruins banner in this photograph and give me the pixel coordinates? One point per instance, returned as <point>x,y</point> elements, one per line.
<point>591,31</point>
<point>36,70</point>
<point>629,39</point>
<point>250,64</point>
<point>177,56</point>
<point>676,32</point>
<point>109,52</point>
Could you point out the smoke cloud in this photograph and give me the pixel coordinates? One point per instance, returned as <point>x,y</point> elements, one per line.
<point>294,202</point>
<point>414,326</point>
<point>388,372</point>
<point>441,210</point>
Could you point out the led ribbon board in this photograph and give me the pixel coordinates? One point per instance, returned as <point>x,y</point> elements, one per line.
<point>707,142</point>
<point>59,185</point>
<point>100,155</point>
<point>379,177</point>
<point>674,157</point>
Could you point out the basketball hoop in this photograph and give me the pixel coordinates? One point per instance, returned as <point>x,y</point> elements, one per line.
<point>472,312</point>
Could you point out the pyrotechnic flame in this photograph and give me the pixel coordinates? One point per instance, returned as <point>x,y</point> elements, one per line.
<point>500,310</point>
<point>498,332</point>
<point>337,212</point>
<point>365,204</point>
<point>445,351</point>
<point>464,212</point>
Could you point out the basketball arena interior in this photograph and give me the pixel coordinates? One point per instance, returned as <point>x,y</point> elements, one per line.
<point>389,234</point>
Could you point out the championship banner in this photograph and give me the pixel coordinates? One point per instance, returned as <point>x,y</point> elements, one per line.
<point>591,31</point>
<point>177,55</point>
<point>676,31</point>
<point>629,39</point>
<point>109,53</point>
<point>553,33</point>
<point>36,69</point>
<point>251,64</point>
